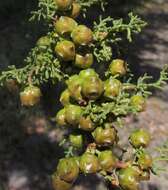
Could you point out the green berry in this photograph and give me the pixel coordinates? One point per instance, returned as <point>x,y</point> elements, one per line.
<point>112,88</point>
<point>82,35</point>
<point>65,25</point>
<point>107,160</point>
<point>65,97</point>
<point>63,5</point>
<point>85,61</point>
<point>73,114</point>
<point>92,88</point>
<point>76,141</point>
<point>118,67</point>
<point>65,50</point>
<point>128,179</point>
<point>89,163</point>
<point>140,138</point>
<point>145,161</point>
<point>105,136</point>
<point>60,118</point>
<point>138,102</point>
<point>86,124</point>
<point>67,169</point>
<point>59,184</point>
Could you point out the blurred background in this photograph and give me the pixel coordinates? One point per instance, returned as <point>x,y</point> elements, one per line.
<point>29,147</point>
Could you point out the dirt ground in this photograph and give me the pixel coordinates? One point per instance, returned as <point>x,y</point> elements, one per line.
<point>27,162</point>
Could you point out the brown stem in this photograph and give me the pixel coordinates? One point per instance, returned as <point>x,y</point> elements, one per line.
<point>121,164</point>
<point>30,76</point>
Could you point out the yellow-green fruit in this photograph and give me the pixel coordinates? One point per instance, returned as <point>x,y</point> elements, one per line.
<point>128,179</point>
<point>74,84</point>
<point>89,163</point>
<point>84,74</point>
<point>76,141</point>
<point>140,138</point>
<point>43,42</point>
<point>85,61</point>
<point>92,88</point>
<point>73,114</point>
<point>65,25</point>
<point>86,124</point>
<point>118,67</point>
<point>112,88</point>
<point>65,97</point>
<point>107,160</point>
<point>75,10</point>
<point>59,184</point>
<point>30,96</point>
<point>65,50</point>
<point>67,169</point>
<point>63,5</point>
<point>105,136</point>
<point>60,118</point>
<point>82,35</point>
<point>145,161</point>
<point>138,102</point>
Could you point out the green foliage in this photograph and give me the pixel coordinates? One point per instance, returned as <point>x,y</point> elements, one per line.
<point>110,31</point>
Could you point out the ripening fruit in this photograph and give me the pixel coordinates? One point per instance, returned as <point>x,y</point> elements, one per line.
<point>112,88</point>
<point>60,118</point>
<point>76,141</point>
<point>84,74</point>
<point>89,163</point>
<point>63,5</point>
<point>145,161</point>
<point>74,84</point>
<point>30,96</point>
<point>67,169</point>
<point>118,67</point>
<point>92,87</point>
<point>65,97</point>
<point>82,35</point>
<point>107,160</point>
<point>138,102</point>
<point>140,138</point>
<point>105,136</point>
<point>59,184</point>
<point>85,61</point>
<point>128,179</point>
<point>43,42</point>
<point>75,10</point>
<point>65,50</point>
<point>73,114</point>
<point>65,25</point>
<point>86,124</point>
<point>145,175</point>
